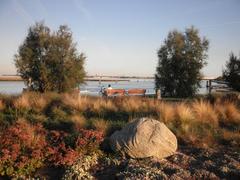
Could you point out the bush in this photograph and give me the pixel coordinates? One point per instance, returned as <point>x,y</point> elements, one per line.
<point>22,149</point>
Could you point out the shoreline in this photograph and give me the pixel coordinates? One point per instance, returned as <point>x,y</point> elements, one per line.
<point>88,78</point>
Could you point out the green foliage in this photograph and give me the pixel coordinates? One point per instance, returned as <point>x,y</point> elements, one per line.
<point>180,60</point>
<point>49,61</point>
<point>232,72</point>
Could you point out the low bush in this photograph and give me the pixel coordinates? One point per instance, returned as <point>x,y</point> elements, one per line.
<point>25,147</point>
<point>22,149</point>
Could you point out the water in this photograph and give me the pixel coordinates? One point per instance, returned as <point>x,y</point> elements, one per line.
<point>94,87</point>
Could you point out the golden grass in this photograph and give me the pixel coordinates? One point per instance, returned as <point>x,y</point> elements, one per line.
<point>101,105</point>
<point>22,102</point>
<point>184,112</point>
<point>228,113</point>
<point>78,103</point>
<point>166,112</point>
<point>38,102</point>
<point>204,112</point>
<point>2,105</point>
<point>131,104</point>
<point>79,121</point>
<point>196,122</point>
<point>232,113</point>
<point>101,125</point>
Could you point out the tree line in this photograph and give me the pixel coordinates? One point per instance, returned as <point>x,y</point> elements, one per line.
<point>49,61</point>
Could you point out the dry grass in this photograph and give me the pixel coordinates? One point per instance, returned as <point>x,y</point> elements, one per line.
<point>131,104</point>
<point>231,136</point>
<point>2,105</point>
<point>184,112</point>
<point>22,102</point>
<point>79,121</point>
<point>232,113</point>
<point>196,122</point>
<point>78,103</point>
<point>228,113</point>
<point>204,112</point>
<point>38,102</point>
<point>99,106</point>
<point>166,112</point>
<point>101,125</point>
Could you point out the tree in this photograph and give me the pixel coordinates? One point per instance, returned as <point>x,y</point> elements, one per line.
<point>180,60</point>
<point>232,72</point>
<point>49,61</point>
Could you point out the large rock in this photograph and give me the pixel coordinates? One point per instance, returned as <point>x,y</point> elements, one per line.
<point>143,138</point>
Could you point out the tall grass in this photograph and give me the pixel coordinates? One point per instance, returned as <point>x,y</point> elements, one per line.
<point>22,102</point>
<point>197,122</point>
<point>204,112</point>
<point>78,103</point>
<point>2,105</point>
<point>166,112</point>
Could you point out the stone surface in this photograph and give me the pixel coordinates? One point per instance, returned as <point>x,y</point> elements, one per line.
<point>143,138</point>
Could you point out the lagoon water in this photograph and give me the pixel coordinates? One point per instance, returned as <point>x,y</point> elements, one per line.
<point>94,87</point>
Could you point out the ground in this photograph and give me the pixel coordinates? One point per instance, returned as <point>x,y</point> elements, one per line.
<point>187,163</point>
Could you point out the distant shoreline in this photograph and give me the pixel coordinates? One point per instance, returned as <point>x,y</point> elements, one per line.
<point>88,78</point>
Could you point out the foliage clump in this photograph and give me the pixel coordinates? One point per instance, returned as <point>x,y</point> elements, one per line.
<point>181,58</point>
<point>232,72</point>
<point>49,61</point>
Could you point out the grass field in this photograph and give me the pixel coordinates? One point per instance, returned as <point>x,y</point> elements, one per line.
<point>35,127</point>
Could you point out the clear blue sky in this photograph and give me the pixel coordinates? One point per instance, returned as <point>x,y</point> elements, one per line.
<point>121,37</point>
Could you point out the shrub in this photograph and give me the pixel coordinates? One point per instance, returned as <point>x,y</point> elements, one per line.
<point>64,148</point>
<point>21,149</point>
<point>59,153</point>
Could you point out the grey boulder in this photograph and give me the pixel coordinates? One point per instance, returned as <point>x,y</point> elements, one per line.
<point>143,138</point>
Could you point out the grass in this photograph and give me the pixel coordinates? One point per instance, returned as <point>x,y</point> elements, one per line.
<point>199,122</point>
<point>33,120</point>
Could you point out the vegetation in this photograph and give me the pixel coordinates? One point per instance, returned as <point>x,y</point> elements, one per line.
<point>49,61</point>
<point>181,58</point>
<point>39,131</point>
<point>232,72</point>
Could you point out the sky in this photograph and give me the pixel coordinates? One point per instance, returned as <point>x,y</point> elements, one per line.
<point>122,37</point>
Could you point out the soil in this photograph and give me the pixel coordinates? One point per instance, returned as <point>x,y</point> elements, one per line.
<point>187,163</point>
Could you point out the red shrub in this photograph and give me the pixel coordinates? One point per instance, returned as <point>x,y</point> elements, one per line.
<point>25,147</point>
<point>64,148</point>
<point>59,153</point>
<point>21,149</point>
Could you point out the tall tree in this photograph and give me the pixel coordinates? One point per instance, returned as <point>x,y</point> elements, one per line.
<point>50,61</point>
<point>231,74</point>
<point>180,60</point>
